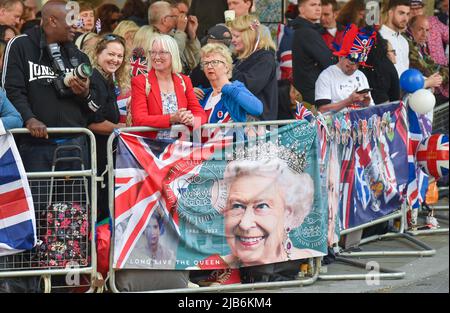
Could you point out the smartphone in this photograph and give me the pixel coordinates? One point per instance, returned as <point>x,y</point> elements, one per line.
<point>364,90</point>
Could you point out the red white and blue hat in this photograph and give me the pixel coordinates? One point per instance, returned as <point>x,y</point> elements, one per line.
<point>357,43</point>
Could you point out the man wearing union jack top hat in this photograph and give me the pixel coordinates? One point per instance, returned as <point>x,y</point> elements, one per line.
<point>342,85</point>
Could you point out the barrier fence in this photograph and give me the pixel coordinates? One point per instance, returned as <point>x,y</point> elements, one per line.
<point>54,193</point>
<point>440,125</point>
<point>67,185</point>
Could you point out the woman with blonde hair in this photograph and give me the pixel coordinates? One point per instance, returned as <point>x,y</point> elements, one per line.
<point>164,97</point>
<point>255,66</point>
<point>139,50</point>
<point>127,30</point>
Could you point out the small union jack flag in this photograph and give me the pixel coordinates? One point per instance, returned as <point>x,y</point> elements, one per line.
<point>98,26</point>
<point>138,61</point>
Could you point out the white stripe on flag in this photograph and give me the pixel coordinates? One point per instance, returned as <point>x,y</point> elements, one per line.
<point>138,211</point>
<point>15,219</point>
<point>11,186</point>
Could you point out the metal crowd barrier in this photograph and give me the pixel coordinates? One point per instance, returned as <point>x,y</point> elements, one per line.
<point>66,186</point>
<point>440,125</point>
<point>234,287</point>
<point>426,250</point>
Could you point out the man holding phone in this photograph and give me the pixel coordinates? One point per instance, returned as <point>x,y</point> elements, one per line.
<point>342,85</point>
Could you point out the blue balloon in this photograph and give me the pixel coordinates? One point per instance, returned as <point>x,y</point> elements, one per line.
<point>411,80</point>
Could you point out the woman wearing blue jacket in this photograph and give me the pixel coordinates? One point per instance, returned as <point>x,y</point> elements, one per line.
<point>9,117</point>
<point>225,101</point>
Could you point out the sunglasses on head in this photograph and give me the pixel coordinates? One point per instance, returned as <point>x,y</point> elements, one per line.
<point>113,37</point>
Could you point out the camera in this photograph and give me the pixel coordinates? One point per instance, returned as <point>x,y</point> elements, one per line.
<point>82,71</point>
<point>61,82</point>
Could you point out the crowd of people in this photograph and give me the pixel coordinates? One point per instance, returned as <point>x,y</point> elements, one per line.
<point>163,63</point>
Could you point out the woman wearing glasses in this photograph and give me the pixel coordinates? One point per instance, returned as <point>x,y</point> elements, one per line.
<point>110,77</point>
<point>225,101</point>
<point>382,75</point>
<point>163,97</point>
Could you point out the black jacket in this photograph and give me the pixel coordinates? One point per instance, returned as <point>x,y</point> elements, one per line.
<point>27,78</point>
<point>106,99</point>
<point>310,56</point>
<point>383,78</point>
<point>209,13</point>
<point>258,74</point>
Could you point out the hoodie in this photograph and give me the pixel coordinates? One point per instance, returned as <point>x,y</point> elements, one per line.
<point>258,74</point>
<point>27,79</point>
<point>310,56</point>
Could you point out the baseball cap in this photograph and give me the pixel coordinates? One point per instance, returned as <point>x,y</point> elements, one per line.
<point>218,32</point>
<point>417,3</point>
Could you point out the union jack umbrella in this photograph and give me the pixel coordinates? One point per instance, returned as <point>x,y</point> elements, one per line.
<point>432,155</point>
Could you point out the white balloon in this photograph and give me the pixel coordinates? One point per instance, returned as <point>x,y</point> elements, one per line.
<point>422,101</point>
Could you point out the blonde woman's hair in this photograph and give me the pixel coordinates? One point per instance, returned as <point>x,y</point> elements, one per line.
<point>123,73</point>
<point>143,38</point>
<point>220,49</point>
<point>254,35</point>
<point>82,39</point>
<point>168,44</point>
<point>125,27</point>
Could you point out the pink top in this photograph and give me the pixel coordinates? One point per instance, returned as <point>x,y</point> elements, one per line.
<point>437,40</point>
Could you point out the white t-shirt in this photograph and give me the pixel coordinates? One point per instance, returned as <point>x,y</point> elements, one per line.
<point>335,85</point>
<point>332,31</point>
<point>401,47</point>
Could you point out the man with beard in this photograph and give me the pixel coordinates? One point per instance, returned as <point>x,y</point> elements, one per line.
<point>397,21</point>
<point>342,85</point>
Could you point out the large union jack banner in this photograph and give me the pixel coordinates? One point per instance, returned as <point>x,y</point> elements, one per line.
<point>181,205</point>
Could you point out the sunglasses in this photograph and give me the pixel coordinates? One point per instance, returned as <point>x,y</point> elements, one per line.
<point>113,37</point>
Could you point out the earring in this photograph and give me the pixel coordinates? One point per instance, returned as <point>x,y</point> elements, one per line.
<point>288,244</point>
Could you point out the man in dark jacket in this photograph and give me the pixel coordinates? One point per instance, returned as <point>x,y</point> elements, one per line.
<point>209,13</point>
<point>29,78</point>
<point>310,54</point>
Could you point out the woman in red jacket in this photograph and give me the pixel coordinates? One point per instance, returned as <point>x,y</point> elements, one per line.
<point>164,97</point>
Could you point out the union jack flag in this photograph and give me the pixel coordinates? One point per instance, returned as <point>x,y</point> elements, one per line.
<point>123,101</point>
<point>347,184</point>
<point>363,160</point>
<point>432,155</point>
<point>148,176</point>
<point>302,113</point>
<point>17,219</point>
<point>417,180</point>
<point>139,65</point>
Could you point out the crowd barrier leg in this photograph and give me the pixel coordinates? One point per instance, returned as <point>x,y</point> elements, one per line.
<point>384,273</point>
<point>440,124</point>
<point>444,219</point>
<point>425,249</point>
<point>71,185</point>
<point>234,287</point>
